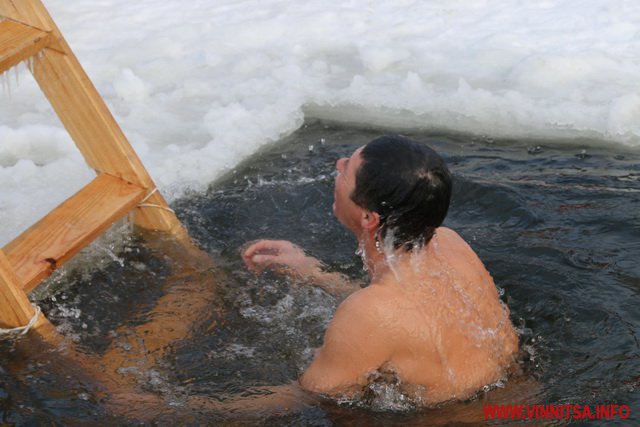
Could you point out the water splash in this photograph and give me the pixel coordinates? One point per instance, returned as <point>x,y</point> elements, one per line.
<point>97,255</point>
<point>288,182</point>
<point>362,253</point>
<point>389,252</point>
<point>268,315</point>
<point>385,392</point>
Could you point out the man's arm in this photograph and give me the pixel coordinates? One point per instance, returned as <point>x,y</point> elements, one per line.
<point>334,283</point>
<point>355,345</point>
<point>290,260</point>
<point>253,402</point>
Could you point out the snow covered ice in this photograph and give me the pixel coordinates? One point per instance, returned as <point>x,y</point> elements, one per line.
<point>199,85</point>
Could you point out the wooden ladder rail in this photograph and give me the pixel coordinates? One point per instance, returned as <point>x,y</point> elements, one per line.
<point>27,32</point>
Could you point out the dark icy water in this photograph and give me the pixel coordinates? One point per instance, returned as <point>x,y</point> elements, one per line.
<point>557,225</point>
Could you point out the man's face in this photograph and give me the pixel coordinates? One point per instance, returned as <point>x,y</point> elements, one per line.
<point>347,212</point>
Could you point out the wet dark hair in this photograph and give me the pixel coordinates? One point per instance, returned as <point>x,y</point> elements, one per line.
<point>408,185</point>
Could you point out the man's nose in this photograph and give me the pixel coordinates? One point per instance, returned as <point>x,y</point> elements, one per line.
<point>339,163</point>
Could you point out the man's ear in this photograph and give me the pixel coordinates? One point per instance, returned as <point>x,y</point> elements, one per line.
<point>369,220</point>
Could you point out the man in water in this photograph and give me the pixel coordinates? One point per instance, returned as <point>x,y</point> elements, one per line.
<point>431,315</point>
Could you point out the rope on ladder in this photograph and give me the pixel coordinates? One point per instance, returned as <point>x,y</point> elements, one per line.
<point>22,330</point>
<point>142,203</point>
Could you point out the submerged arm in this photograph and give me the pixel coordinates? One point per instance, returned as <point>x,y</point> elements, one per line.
<point>254,403</point>
<point>268,400</point>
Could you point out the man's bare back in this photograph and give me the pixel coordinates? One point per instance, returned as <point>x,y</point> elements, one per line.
<point>434,319</point>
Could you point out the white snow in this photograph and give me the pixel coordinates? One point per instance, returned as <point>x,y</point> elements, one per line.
<point>198,85</point>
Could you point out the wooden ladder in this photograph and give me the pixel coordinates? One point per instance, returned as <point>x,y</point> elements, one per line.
<point>27,32</point>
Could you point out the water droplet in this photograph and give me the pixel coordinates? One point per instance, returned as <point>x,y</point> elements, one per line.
<point>524,332</point>
<point>535,149</point>
<point>583,155</point>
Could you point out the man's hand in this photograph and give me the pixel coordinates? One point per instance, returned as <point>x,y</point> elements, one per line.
<point>286,258</point>
<point>281,256</point>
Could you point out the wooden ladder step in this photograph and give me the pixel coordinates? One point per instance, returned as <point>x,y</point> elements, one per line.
<point>19,42</point>
<point>70,227</point>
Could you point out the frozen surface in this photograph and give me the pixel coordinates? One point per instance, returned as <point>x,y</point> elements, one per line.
<point>199,85</point>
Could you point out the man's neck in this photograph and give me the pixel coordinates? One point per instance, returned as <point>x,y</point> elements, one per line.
<point>374,258</point>
<point>379,259</point>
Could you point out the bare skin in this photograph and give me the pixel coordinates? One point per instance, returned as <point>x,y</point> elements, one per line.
<point>431,316</point>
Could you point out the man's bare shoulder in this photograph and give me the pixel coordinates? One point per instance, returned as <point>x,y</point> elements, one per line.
<point>462,262</point>
<point>363,300</point>
<point>450,236</point>
<point>373,311</point>
<point>451,244</point>
<point>354,345</point>
<point>367,308</point>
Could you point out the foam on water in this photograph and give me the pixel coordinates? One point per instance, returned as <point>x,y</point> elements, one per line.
<point>198,86</point>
